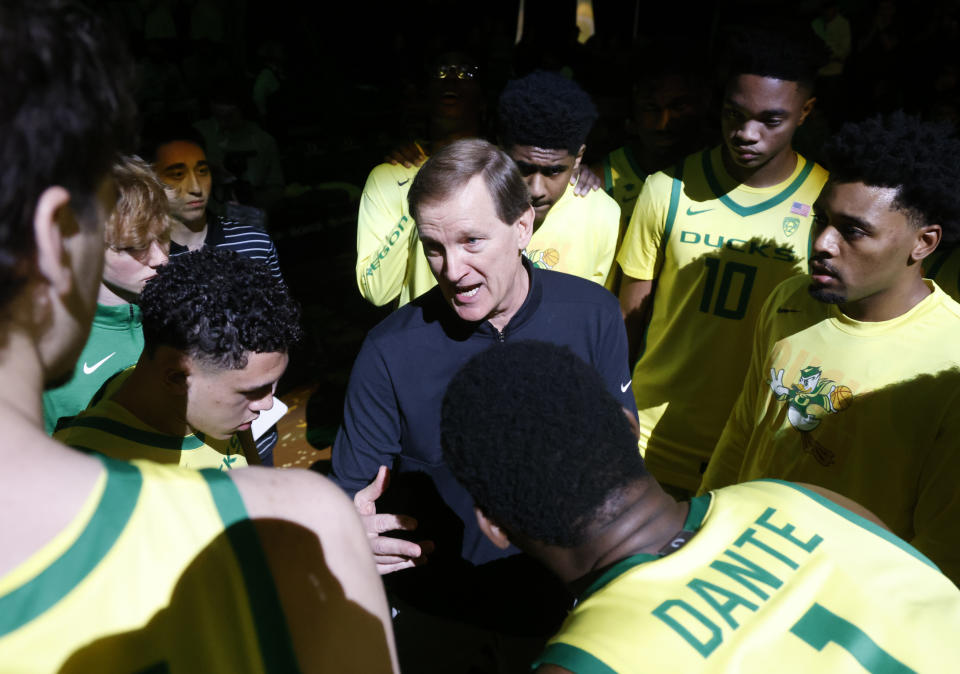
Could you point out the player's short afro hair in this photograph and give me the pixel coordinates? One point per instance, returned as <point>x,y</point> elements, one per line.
<point>921,159</point>
<point>545,110</point>
<point>216,306</point>
<point>791,57</point>
<point>545,450</point>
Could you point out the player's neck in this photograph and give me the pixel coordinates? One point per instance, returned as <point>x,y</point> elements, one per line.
<point>42,481</point>
<point>773,172</point>
<point>190,235</point>
<point>889,304</point>
<point>144,395</point>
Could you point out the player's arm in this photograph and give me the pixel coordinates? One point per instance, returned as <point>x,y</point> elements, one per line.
<point>585,181</point>
<point>936,515</point>
<point>383,238</point>
<point>367,443</point>
<point>641,257</point>
<point>249,447</point>
<point>608,231</point>
<point>845,502</point>
<point>636,300</point>
<point>317,553</point>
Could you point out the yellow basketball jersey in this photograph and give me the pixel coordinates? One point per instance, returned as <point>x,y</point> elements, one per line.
<point>109,428</point>
<point>944,268</point>
<point>622,179</point>
<point>776,579</point>
<point>867,409</point>
<point>161,571</point>
<point>716,249</point>
<point>390,259</point>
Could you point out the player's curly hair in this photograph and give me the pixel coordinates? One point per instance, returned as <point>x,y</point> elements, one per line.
<point>541,460</point>
<point>545,110</point>
<point>217,306</point>
<point>788,56</point>
<point>920,159</point>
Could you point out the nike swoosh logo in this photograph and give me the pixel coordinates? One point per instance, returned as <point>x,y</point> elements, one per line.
<point>624,387</point>
<point>690,211</point>
<point>90,369</point>
<point>784,310</point>
<point>401,183</point>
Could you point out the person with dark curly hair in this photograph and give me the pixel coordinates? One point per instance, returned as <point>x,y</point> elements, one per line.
<point>217,328</point>
<point>855,374</point>
<point>543,122</point>
<point>111,565</point>
<point>755,577</point>
<point>708,240</point>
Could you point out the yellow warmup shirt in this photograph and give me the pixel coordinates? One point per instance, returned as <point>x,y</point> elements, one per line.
<point>716,249</point>
<point>869,410</point>
<point>622,180</point>
<point>775,579</point>
<point>109,428</point>
<point>944,268</point>
<point>161,571</point>
<point>390,259</point>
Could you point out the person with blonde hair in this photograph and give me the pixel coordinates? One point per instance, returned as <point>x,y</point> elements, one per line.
<point>137,241</point>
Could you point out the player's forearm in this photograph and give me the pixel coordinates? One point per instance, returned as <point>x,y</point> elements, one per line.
<point>635,303</point>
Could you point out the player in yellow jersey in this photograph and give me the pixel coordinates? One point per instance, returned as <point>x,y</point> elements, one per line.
<point>855,374</point>
<point>758,577</point>
<point>217,329</point>
<point>707,242</point>
<point>115,566</point>
<point>544,121</point>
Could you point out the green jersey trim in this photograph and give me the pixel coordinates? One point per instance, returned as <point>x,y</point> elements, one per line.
<point>858,520</point>
<point>273,636</point>
<point>694,520</point>
<point>138,435</point>
<point>46,589</point>
<point>607,176</point>
<point>572,658</point>
<point>745,211</point>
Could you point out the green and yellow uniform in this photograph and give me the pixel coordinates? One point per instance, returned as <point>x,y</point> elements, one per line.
<point>160,571</point>
<point>944,268</point>
<point>622,180</point>
<point>109,428</point>
<point>869,410</point>
<point>776,578</point>
<point>716,248</point>
<point>578,236</point>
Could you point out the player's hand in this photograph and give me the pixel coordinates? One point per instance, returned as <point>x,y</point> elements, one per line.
<point>585,181</point>
<point>390,554</point>
<point>408,155</point>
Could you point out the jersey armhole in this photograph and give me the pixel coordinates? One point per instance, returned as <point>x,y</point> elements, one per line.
<point>858,520</point>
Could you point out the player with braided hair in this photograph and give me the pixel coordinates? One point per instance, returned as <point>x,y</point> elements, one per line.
<point>854,381</point>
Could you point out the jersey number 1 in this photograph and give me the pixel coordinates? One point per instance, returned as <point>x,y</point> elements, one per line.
<point>819,626</point>
<point>722,304</point>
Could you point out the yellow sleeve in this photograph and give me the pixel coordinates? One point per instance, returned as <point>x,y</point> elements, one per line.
<point>641,254</point>
<point>936,517</point>
<point>725,463</point>
<point>383,236</point>
<point>608,226</point>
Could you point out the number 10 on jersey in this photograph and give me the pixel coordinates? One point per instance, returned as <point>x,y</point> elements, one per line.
<point>725,306</point>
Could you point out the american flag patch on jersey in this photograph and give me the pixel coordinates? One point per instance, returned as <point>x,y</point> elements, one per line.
<point>800,209</point>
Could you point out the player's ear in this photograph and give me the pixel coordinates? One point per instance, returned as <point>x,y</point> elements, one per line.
<point>53,223</point>
<point>176,369</point>
<point>492,531</point>
<point>579,158</point>
<point>806,109</point>
<point>928,238</point>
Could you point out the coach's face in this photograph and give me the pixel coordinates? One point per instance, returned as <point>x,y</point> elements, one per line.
<point>474,255</point>
<point>865,249</point>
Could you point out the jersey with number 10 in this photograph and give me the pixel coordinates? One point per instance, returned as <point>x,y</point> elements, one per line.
<point>776,579</point>
<point>716,249</point>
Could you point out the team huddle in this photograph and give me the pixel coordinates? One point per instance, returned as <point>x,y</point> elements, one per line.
<point>702,419</point>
